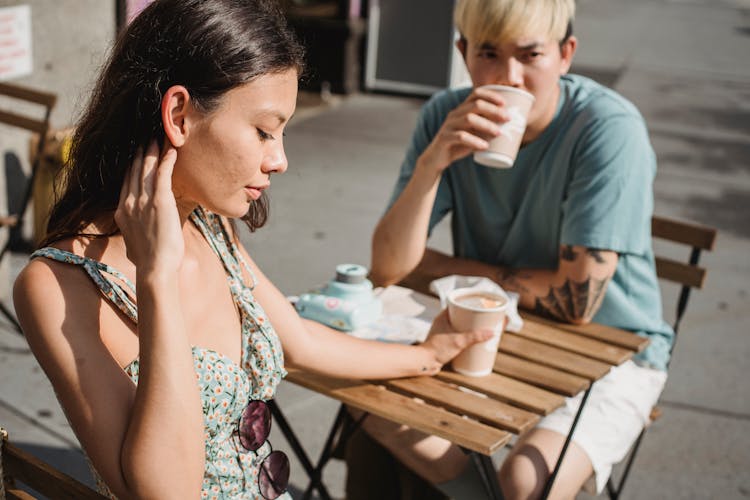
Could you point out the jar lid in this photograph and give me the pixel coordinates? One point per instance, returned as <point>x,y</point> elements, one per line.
<point>350,273</point>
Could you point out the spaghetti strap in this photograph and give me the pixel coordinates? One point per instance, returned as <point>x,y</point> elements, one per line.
<point>98,272</point>
<point>212,228</point>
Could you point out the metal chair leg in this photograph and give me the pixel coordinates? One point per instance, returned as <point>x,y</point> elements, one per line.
<point>344,427</point>
<point>10,317</point>
<point>487,472</point>
<point>613,492</point>
<point>325,455</point>
<point>551,479</point>
<point>286,429</point>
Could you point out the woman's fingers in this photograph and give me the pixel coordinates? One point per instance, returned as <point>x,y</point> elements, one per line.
<point>125,188</point>
<point>134,177</point>
<point>441,323</point>
<point>147,214</point>
<point>127,195</point>
<point>163,178</point>
<point>447,343</point>
<point>478,336</point>
<point>148,171</point>
<point>462,340</point>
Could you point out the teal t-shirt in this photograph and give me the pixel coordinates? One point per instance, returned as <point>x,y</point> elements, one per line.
<point>586,180</point>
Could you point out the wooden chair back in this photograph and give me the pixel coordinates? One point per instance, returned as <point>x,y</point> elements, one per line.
<point>688,274</point>
<point>45,99</point>
<point>24,95</point>
<point>39,126</point>
<point>19,467</point>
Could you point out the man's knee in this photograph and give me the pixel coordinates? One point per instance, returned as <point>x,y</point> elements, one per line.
<point>383,431</point>
<point>523,474</point>
<point>433,458</point>
<point>373,473</point>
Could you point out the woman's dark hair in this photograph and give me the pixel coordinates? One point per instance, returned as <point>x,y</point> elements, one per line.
<point>208,46</point>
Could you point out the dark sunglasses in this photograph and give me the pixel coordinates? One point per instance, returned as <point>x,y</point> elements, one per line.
<point>253,430</point>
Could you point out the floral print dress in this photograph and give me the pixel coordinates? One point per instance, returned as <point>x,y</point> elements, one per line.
<point>231,472</point>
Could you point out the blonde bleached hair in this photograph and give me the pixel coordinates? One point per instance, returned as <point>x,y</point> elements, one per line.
<point>499,21</point>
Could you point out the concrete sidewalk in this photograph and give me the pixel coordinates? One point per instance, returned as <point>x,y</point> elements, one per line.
<point>685,65</point>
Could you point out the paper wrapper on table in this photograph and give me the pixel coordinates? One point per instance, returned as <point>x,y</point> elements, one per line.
<point>443,286</point>
<point>407,317</point>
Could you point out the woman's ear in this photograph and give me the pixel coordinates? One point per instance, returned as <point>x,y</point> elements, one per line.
<point>175,107</point>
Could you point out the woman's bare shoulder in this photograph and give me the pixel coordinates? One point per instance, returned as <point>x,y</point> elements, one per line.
<point>45,275</point>
<point>47,291</point>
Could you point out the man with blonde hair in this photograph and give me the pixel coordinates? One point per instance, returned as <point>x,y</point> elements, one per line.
<point>567,227</point>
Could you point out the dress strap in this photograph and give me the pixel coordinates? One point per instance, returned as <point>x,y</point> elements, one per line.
<point>212,228</point>
<point>98,272</point>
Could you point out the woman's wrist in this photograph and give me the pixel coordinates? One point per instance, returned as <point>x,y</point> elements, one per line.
<point>428,363</point>
<point>156,280</point>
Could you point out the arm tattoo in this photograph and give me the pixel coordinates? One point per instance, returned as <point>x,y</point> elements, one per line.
<point>508,278</point>
<point>572,301</point>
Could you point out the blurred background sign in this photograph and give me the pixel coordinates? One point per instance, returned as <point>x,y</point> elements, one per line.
<point>411,47</point>
<point>15,42</point>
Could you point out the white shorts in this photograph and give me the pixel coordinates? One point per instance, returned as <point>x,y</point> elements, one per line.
<point>617,408</point>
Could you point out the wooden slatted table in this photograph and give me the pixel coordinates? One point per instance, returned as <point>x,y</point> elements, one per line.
<point>535,370</point>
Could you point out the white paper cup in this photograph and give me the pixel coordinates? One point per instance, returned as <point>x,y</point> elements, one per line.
<point>504,148</point>
<point>467,314</point>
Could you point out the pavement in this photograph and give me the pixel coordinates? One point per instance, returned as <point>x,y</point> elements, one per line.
<point>685,64</point>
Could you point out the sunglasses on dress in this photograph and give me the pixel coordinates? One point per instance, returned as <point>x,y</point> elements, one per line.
<point>253,430</point>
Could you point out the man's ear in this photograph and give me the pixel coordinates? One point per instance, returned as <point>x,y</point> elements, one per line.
<point>567,51</point>
<point>175,108</point>
<point>461,46</point>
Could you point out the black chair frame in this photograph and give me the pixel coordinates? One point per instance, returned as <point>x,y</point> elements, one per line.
<point>34,125</point>
<point>690,275</point>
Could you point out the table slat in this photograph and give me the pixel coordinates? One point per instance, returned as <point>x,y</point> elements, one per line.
<point>509,390</point>
<point>475,405</point>
<point>605,333</point>
<point>579,344</point>
<point>552,356</point>
<point>540,375</point>
<point>379,401</point>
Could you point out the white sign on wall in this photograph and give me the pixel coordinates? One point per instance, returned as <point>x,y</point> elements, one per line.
<point>15,42</point>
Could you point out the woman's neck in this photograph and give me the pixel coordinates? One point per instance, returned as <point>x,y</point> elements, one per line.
<point>185,209</point>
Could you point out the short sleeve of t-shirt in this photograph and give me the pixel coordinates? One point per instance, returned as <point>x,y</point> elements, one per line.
<point>430,119</point>
<point>609,199</point>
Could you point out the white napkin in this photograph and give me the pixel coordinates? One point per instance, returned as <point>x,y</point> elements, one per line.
<point>406,318</point>
<point>442,286</point>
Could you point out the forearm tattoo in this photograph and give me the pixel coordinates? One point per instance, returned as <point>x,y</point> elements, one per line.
<point>572,301</point>
<point>509,278</point>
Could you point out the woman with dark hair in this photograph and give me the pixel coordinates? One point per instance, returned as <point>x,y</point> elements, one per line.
<point>166,388</point>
